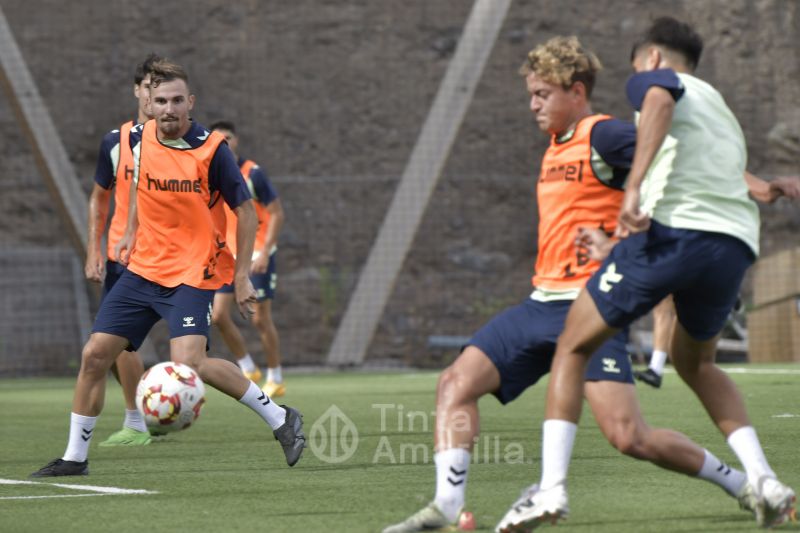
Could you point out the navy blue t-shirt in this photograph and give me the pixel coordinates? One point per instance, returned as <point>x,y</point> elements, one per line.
<point>640,83</point>
<point>614,140</point>
<point>265,193</point>
<point>104,173</point>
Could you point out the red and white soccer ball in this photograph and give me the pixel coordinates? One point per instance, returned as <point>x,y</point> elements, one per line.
<point>170,396</point>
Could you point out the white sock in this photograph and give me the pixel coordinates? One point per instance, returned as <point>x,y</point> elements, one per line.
<point>258,401</point>
<point>744,443</point>
<point>717,472</point>
<point>274,374</point>
<point>451,480</point>
<point>134,420</point>
<point>657,361</point>
<point>81,429</point>
<point>558,436</point>
<point>246,363</point>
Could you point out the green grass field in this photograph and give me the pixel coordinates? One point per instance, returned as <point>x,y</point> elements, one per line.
<point>370,461</point>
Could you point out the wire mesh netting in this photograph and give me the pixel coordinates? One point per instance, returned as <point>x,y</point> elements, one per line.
<point>330,97</point>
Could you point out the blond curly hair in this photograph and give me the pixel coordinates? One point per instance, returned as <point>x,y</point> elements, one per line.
<point>563,61</point>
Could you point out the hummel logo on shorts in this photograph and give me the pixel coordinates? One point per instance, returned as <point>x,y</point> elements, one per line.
<point>610,365</point>
<point>609,276</point>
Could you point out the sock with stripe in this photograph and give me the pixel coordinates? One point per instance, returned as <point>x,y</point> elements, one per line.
<point>258,401</point>
<point>451,480</point>
<point>81,429</point>
<point>717,472</point>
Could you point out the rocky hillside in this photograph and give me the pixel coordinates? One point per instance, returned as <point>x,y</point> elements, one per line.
<point>330,96</point>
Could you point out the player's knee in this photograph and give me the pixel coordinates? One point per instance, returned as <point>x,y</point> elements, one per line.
<point>190,360</point>
<point>218,317</point>
<point>629,440</point>
<point>95,359</point>
<point>261,323</point>
<point>453,386</point>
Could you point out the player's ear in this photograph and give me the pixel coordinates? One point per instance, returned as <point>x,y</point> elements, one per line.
<point>191,102</point>
<point>654,57</point>
<point>578,89</point>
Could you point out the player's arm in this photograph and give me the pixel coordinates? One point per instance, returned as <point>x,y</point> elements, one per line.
<point>246,225</point>
<point>654,123</point>
<point>769,191</point>
<point>276,220</point>
<point>125,246</point>
<point>99,203</point>
<point>224,176</point>
<point>613,144</point>
<point>266,194</point>
<point>98,214</point>
<point>654,95</point>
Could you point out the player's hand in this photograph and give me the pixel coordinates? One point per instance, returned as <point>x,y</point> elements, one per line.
<point>124,248</point>
<point>788,186</point>
<point>245,296</point>
<point>259,264</point>
<point>631,219</point>
<point>595,241</point>
<point>95,267</point>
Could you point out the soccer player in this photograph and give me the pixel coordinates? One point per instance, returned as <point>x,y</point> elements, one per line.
<point>580,184</point>
<point>691,232</point>
<point>114,172</point>
<point>263,275</point>
<point>175,250</point>
<point>664,313</point>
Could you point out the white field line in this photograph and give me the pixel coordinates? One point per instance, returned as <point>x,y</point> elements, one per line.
<point>95,489</point>
<point>754,371</point>
<point>51,496</point>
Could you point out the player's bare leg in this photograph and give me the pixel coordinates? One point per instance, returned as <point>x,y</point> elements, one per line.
<point>232,336</point>
<point>221,374</point>
<point>87,403</point>
<point>584,332</point>
<point>694,362</point>
<point>128,369</point>
<point>460,386</point>
<point>268,333</point>
<point>97,357</point>
<point>616,409</point>
<point>225,376</point>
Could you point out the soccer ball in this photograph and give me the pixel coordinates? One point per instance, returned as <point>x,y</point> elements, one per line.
<point>170,396</point>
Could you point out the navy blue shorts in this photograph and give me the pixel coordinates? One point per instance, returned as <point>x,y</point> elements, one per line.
<point>264,284</point>
<point>113,272</point>
<point>521,342</point>
<point>135,304</point>
<point>701,269</point>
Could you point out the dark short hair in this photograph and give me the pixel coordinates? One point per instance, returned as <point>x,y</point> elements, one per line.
<point>145,67</point>
<point>165,70</point>
<point>226,125</point>
<point>674,35</point>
